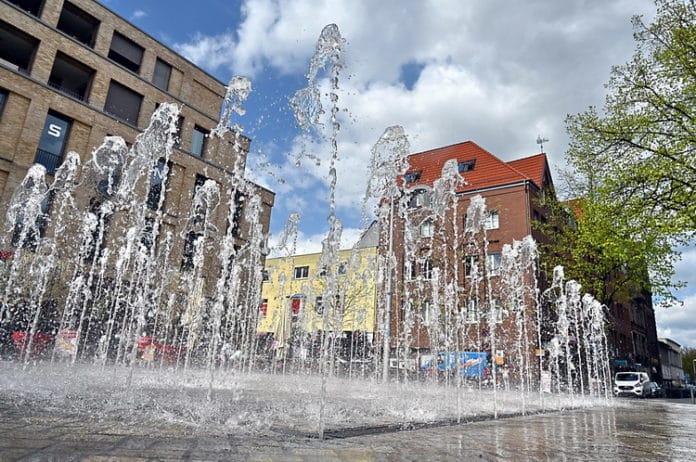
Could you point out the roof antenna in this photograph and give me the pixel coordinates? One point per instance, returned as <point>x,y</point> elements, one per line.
<point>540,141</point>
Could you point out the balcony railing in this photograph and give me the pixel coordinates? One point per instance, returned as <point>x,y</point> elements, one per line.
<point>49,160</point>
<point>65,91</point>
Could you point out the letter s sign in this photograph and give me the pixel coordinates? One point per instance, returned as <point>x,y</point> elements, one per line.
<point>55,130</point>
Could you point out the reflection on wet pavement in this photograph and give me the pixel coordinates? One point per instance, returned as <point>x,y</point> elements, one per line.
<point>631,430</point>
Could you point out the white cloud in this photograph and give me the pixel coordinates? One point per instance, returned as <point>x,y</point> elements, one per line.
<point>138,14</point>
<point>678,323</point>
<point>313,243</point>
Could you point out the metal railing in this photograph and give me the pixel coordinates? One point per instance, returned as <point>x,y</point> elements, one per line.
<point>49,160</point>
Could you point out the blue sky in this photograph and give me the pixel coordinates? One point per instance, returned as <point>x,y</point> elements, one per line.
<point>495,72</point>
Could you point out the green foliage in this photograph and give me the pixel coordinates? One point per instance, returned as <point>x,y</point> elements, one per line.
<point>635,164</point>
<point>688,358</point>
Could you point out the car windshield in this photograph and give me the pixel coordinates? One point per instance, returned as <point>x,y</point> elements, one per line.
<point>626,377</point>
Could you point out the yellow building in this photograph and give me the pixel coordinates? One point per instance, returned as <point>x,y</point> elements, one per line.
<point>298,303</point>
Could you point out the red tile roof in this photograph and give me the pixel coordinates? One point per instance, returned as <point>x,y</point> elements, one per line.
<point>488,171</point>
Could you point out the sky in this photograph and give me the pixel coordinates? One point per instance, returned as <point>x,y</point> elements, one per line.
<point>495,72</point>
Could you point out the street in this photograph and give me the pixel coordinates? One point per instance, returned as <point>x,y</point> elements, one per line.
<point>632,430</point>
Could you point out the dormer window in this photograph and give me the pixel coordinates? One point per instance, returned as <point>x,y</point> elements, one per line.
<point>466,165</point>
<point>412,177</point>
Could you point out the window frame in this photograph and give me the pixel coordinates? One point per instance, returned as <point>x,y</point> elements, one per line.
<point>197,129</point>
<point>492,220</point>
<point>169,67</point>
<point>303,272</point>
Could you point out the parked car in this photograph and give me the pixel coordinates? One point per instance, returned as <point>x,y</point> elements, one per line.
<point>633,384</point>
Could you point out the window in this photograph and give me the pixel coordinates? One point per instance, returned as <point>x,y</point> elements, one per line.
<point>425,312</point>
<point>179,127</point>
<point>123,103</point>
<point>419,198</point>
<point>235,219</point>
<point>161,75</point>
<point>426,228</point>
<point>158,180</point>
<point>30,6</point>
<point>466,166</point>
<point>301,272</point>
<point>78,24</point>
<point>319,305</point>
<point>470,265</point>
<point>492,220</point>
<point>412,177</point>
<point>472,311</point>
<point>493,264</point>
<point>496,311</point>
<point>427,269</point>
<point>3,99</point>
<point>265,276</point>
<point>198,141</point>
<point>410,270</point>
<point>342,267</point>
<point>190,246</point>
<point>126,52</point>
<point>264,307</point>
<point>147,238</point>
<point>71,77</point>
<point>16,48</point>
<point>53,140</point>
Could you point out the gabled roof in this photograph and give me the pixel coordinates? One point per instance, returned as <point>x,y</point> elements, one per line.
<point>489,171</point>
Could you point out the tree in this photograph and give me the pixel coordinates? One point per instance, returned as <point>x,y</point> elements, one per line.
<point>635,162</point>
<point>688,358</point>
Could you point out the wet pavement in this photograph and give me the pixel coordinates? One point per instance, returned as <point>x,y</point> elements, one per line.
<point>632,430</point>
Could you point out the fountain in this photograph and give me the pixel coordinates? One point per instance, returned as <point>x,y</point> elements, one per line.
<point>99,312</point>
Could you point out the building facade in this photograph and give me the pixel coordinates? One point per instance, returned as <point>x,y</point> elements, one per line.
<point>460,207</point>
<point>74,72</point>
<point>296,312</point>
<point>671,362</point>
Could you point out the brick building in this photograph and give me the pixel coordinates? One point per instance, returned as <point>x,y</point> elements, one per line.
<point>446,274</point>
<point>73,72</point>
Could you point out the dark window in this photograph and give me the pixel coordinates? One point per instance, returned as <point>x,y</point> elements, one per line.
<point>301,272</point>
<point>3,99</point>
<point>162,73</point>
<point>124,103</point>
<point>412,177</point>
<point>419,198</point>
<point>264,307</point>
<point>198,141</point>
<point>179,127</point>
<point>53,140</point>
<point>237,216</point>
<point>265,276</point>
<point>126,52</point>
<point>200,181</point>
<point>158,182</point>
<point>190,245</point>
<point>31,6</point>
<point>466,166</point>
<point>16,48</point>
<point>470,264</point>
<point>71,77</point>
<point>319,305</point>
<point>147,238</point>
<point>411,269</point>
<point>342,267</point>
<point>78,24</point>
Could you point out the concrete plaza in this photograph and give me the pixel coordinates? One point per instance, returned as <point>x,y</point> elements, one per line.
<point>632,430</point>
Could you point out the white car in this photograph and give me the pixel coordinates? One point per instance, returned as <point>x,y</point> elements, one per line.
<point>632,384</point>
